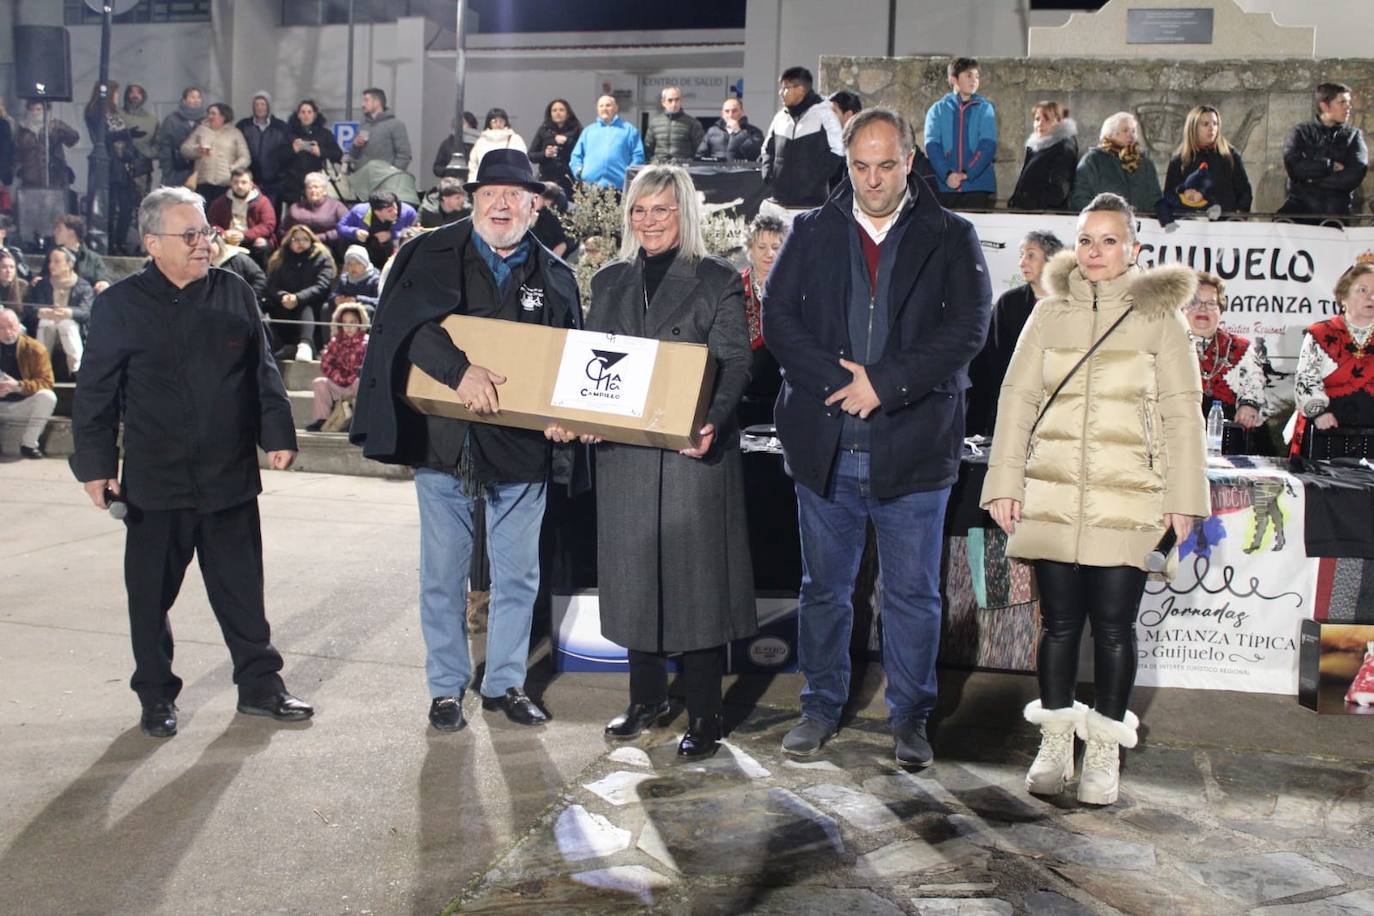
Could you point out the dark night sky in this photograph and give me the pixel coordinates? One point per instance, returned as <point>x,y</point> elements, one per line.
<point>606,15</point>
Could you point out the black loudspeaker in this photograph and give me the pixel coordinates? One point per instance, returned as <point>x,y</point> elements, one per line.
<point>42,62</point>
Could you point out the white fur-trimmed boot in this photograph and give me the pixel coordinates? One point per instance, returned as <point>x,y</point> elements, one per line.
<point>1053,766</point>
<point>1101,778</point>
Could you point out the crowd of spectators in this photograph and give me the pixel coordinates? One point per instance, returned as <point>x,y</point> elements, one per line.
<point>272,186</point>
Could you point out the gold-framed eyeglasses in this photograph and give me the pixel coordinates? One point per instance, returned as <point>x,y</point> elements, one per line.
<point>191,236</point>
<point>657,214</point>
<point>1198,305</point>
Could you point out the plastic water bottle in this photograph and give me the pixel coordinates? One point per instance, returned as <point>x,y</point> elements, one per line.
<point>1216,427</point>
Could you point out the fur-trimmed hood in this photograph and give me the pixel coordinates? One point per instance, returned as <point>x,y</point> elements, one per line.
<point>1066,129</point>
<point>358,312</point>
<point>1157,291</point>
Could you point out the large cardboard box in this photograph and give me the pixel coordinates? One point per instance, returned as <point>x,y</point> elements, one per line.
<point>623,389</point>
<point>1336,668</point>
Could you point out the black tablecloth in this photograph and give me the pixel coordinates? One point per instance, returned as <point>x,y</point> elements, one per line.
<point>1339,517</point>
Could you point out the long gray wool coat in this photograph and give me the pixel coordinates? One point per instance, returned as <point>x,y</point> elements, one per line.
<point>674,572</point>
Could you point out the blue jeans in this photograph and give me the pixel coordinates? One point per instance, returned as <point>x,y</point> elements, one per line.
<point>910,540</point>
<point>515,515</point>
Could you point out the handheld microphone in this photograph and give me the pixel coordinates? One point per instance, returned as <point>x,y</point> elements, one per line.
<point>115,505</point>
<point>1156,560</point>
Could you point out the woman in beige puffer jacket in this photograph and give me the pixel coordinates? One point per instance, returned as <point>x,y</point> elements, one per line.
<point>1118,457</point>
<point>217,148</point>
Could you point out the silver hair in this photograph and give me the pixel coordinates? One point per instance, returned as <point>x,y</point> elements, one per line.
<point>651,180</point>
<point>315,176</point>
<point>1045,240</point>
<point>158,202</point>
<point>765,223</point>
<point>1114,122</point>
<point>1107,202</point>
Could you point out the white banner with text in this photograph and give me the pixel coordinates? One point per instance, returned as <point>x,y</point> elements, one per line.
<point>1229,619</point>
<point>1279,277</point>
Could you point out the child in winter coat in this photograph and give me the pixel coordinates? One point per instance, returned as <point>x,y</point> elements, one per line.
<point>341,362</point>
<point>358,282</point>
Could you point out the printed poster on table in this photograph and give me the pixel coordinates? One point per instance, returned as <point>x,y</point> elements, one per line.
<point>606,373</point>
<point>1229,619</point>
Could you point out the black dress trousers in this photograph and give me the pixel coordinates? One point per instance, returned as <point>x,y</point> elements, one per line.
<point>228,544</point>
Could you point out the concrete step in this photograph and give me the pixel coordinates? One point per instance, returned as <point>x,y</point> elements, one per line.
<point>302,407</point>
<point>65,392</point>
<point>57,438</point>
<point>297,374</point>
<point>331,453</point>
<point>320,453</point>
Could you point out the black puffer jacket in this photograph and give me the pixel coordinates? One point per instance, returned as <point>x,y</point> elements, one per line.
<point>308,274</point>
<point>296,165</point>
<point>746,143</point>
<point>554,168</point>
<point>802,153</point>
<point>1046,179</point>
<point>268,148</point>
<point>1230,185</point>
<point>1310,154</point>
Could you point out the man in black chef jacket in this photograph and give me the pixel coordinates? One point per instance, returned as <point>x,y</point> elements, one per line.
<point>177,353</point>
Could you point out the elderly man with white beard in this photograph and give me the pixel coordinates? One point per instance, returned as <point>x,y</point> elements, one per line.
<point>489,266</point>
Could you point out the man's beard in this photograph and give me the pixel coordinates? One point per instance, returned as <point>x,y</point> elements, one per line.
<point>507,239</point>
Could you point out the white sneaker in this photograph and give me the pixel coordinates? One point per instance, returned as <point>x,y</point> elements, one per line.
<point>1053,765</point>
<point>303,352</point>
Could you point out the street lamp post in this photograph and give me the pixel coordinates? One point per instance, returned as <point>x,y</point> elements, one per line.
<point>98,187</point>
<point>459,160</point>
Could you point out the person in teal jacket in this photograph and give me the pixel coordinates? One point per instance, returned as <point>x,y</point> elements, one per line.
<point>961,141</point>
<point>607,147</point>
<point>1120,164</point>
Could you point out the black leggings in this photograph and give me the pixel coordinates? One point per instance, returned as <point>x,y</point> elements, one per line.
<point>702,670</point>
<point>1109,596</point>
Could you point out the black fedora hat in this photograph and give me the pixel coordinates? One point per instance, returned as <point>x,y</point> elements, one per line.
<point>505,166</point>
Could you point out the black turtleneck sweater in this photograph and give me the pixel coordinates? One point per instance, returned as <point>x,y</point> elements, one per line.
<point>655,266</point>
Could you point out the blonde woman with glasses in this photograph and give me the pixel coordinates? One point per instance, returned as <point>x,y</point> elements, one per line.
<point>674,572</point>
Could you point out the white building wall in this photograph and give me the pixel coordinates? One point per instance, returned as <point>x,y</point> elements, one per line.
<point>244,51</point>
<point>1342,25</point>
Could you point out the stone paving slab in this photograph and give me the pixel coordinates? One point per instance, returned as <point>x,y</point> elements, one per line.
<point>754,831</point>
<point>1355,903</point>
<point>1263,878</point>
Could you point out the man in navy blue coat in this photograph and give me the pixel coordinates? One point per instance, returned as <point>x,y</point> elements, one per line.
<point>878,301</point>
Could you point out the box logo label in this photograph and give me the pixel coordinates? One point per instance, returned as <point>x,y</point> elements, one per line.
<point>605,373</point>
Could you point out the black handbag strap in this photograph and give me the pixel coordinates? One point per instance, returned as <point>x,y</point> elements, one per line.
<point>1076,366</point>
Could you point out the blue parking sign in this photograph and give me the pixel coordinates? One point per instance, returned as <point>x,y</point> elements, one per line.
<point>344,132</point>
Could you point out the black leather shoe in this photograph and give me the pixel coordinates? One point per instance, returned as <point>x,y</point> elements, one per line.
<point>446,713</point>
<point>159,719</point>
<point>702,738</point>
<point>31,452</point>
<point>281,706</point>
<point>911,746</point>
<point>518,707</point>
<point>637,718</point>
